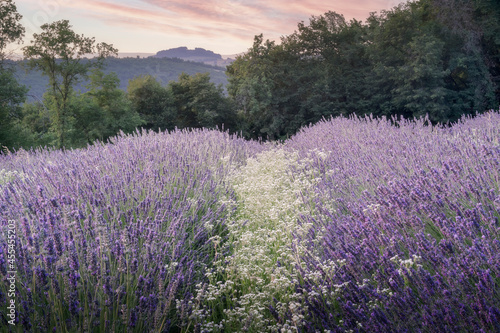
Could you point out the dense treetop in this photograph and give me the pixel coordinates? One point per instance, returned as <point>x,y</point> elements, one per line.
<point>412,60</point>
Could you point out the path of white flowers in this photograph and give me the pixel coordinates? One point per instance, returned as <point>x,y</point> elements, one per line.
<point>263,264</point>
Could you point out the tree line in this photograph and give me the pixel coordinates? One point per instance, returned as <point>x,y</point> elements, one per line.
<point>439,58</point>
<point>164,70</point>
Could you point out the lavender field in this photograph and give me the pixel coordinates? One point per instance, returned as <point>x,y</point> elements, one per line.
<point>351,225</point>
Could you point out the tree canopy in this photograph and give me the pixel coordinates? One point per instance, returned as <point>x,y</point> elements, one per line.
<point>12,94</point>
<point>430,57</point>
<point>59,53</point>
<point>11,30</point>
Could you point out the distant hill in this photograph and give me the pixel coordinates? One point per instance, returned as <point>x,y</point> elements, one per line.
<point>186,54</point>
<point>164,69</point>
<point>197,55</point>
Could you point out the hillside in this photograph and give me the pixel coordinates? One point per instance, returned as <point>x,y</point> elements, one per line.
<point>164,69</point>
<point>197,55</point>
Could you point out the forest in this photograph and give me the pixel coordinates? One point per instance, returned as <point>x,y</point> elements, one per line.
<point>438,59</point>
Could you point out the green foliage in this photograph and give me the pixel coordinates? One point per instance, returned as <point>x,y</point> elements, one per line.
<point>36,120</point>
<point>117,110</point>
<point>11,96</point>
<point>152,102</point>
<point>409,61</point>
<point>264,86</point>
<point>477,24</point>
<point>424,67</point>
<point>419,83</point>
<point>336,52</point>
<point>10,28</point>
<point>58,52</point>
<point>90,120</point>
<point>435,58</point>
<point>197,102</point>
<point>98,114</point>
<point>191,102</point>
<point>318,71</point>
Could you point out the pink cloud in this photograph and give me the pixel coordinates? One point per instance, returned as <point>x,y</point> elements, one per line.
<point>218,19</point>
<point>274,16</point>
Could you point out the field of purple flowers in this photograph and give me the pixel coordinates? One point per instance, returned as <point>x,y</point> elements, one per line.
<point>351,225</point>
<point>110,237</point>
<point>408,224</point>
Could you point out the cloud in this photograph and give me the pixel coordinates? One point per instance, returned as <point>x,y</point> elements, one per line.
<point>212,16</point>
<point>231,20</point>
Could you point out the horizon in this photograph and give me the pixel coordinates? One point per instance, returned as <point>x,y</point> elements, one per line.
<point>147,26</point>
<point>19,56</point>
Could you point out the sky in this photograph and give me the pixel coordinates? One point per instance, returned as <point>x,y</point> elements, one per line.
<point>224,26</point>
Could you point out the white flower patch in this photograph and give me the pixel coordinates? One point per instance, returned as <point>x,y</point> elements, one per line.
<point>9,176</point>
<point>268,192</point>
<point>372,208</point>
<point>406,264</point>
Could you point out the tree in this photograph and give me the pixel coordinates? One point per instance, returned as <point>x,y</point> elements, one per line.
<point>336,52</point>
<point>10,29</point>
<point>11,96</point>
<point>476,23</point>
<point>11,93</point>
<point>90,121</point>
<point>152,102</point>
<point>97,114</point>
<point>315,72</point>
<point>199,103</point>
<point>253,81</point>
<point>59,53</point>
<point>117,111</point>
<point>37,125</point>
<point>435,57</point>
<point>101,112</point>
<point>420,82</point>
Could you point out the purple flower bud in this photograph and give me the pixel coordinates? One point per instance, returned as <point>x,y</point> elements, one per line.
<point>133,318</point>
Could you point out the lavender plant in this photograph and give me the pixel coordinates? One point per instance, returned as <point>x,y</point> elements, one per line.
<point>352,225</point>
<point>405,237</point>
<point>115,237</point>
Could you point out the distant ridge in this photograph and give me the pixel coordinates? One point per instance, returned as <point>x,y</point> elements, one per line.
<point>197,55</point>
<point>126,68</point>
<point>184,52</point>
